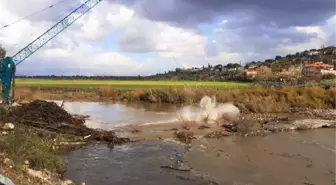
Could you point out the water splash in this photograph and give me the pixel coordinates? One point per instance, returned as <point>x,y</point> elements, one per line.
<point>209,111</point>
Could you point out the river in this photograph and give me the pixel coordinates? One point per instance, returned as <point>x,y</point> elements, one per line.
<point>306,157</point>
<point>105,115</point>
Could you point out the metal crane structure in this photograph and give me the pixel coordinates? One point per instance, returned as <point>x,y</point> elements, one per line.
<point>8,64</point>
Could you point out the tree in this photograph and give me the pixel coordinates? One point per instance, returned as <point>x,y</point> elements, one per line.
<point>2,52</point>
<point>278,57</point>
<point>178,70</point>
<point>293,73</point>
<point>231,65</point>
<point>289,56</point>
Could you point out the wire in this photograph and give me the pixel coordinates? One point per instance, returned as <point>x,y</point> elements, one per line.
<point>45,25</point>
<point>151,20</point>
<point>25,17</point>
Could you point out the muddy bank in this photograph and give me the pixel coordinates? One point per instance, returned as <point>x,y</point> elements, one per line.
<point>50,116</point>
<point>247,125</point>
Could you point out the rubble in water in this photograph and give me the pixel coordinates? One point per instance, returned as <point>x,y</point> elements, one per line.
<point>217,134</point>
<point>50,116</point>
<point>185,136</point>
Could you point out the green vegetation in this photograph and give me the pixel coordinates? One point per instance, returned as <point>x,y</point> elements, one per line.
<point>35,146</point>
<point>328,83</point>
<point>24,144</point>
<point>121,84</point>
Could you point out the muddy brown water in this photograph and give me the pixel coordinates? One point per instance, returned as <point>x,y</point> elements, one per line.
<point>106,115</point>
<point>306,157</point>
<point>282,158</point>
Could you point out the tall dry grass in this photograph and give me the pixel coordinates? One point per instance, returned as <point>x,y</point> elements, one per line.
<point>254,99</point>
<point>258,99</point>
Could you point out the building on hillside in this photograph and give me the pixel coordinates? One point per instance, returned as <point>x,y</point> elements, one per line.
<point>195,69</point>
<point>317,69</point>
<point>330,50</point>
<point>252,66</point>
<point>313,53</point>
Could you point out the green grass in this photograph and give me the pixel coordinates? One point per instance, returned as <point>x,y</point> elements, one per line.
<point>122,84</point>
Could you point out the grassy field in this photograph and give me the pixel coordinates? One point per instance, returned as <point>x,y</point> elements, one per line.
<point>121,84</point>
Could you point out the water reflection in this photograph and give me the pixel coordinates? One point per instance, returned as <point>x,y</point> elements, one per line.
<point>105,115</point>
<point>125,165</point>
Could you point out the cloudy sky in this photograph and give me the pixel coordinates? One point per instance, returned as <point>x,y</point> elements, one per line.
<point>141,37</point>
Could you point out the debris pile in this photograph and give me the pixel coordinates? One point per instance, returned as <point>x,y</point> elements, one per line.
<point>47,112</point>
<point>50,116</point>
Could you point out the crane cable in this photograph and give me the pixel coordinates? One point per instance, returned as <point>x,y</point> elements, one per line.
<point>11,99</point>
<point>25,17</point>
<point>152,21</point>
<point>45,26</point>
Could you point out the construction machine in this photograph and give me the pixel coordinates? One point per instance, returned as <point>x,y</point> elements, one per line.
<point>8,65</point>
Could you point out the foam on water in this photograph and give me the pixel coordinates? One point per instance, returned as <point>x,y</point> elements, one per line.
<point>209,111</point>
<point>109,116</point>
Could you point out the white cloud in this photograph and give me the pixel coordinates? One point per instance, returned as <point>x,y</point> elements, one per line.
<point>224,21</point>
<point>83,45</point>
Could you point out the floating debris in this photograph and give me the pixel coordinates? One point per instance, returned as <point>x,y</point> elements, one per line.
<point>184,136</point>
<point>202,127</point>
<point>217,134</point>
<point>230,127</point>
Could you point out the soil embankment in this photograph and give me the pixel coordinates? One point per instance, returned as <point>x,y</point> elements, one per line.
<point>50,116</point>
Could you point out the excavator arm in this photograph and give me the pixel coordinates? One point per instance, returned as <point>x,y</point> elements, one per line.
<point>8,64</point>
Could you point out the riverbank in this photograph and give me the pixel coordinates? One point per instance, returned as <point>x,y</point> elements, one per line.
<point>34,137</point>
<point>248,99</point>
<point>247,125</point>
<point>33,156</point>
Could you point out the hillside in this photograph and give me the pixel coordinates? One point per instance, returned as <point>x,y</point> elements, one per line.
<point>280,66</point>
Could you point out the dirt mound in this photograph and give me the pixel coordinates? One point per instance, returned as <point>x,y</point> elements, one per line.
<point>50,116</point>
<point>48,112</point>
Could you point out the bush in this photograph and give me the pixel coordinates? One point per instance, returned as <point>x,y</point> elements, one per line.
<point>107,91</point>
<point>328,76</point>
